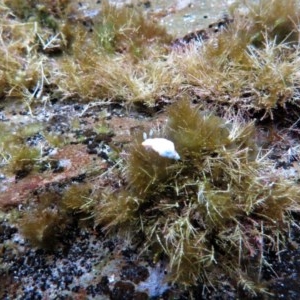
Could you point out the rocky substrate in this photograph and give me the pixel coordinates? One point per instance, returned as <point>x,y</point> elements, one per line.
<point>88,265</point>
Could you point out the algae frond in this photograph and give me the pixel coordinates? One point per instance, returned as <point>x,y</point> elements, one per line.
<point>253,63</point>
<point>207,210</point>
<point>47,223</point>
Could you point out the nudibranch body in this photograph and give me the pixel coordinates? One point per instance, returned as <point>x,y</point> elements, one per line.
<point>163,147</point>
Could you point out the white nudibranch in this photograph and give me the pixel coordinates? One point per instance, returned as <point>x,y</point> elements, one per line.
<point>163,147</point>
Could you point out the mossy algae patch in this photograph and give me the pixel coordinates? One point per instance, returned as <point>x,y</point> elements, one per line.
<point>252,64</point>
<point>125,61</point>
<point>125,55</point>
<point>49,53</point>
<point>57,213</point>
<point>208,210</point>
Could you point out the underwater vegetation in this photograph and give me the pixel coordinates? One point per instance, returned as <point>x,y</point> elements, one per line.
<point>126,59</point>
<point>48,224</point>
<point>17,155</point>
<point>214,207</point>
<point>219,207</point>
<point>25,149</point>
<point>125,55</point>
<point>43,227</point>
<point>51,52</point>
<point>43,11</point>
<point>276,19</point>
<point>253,63</point>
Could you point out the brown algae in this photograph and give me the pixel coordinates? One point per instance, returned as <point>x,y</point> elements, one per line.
<point>208,210</point>
<point>218,209</point>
